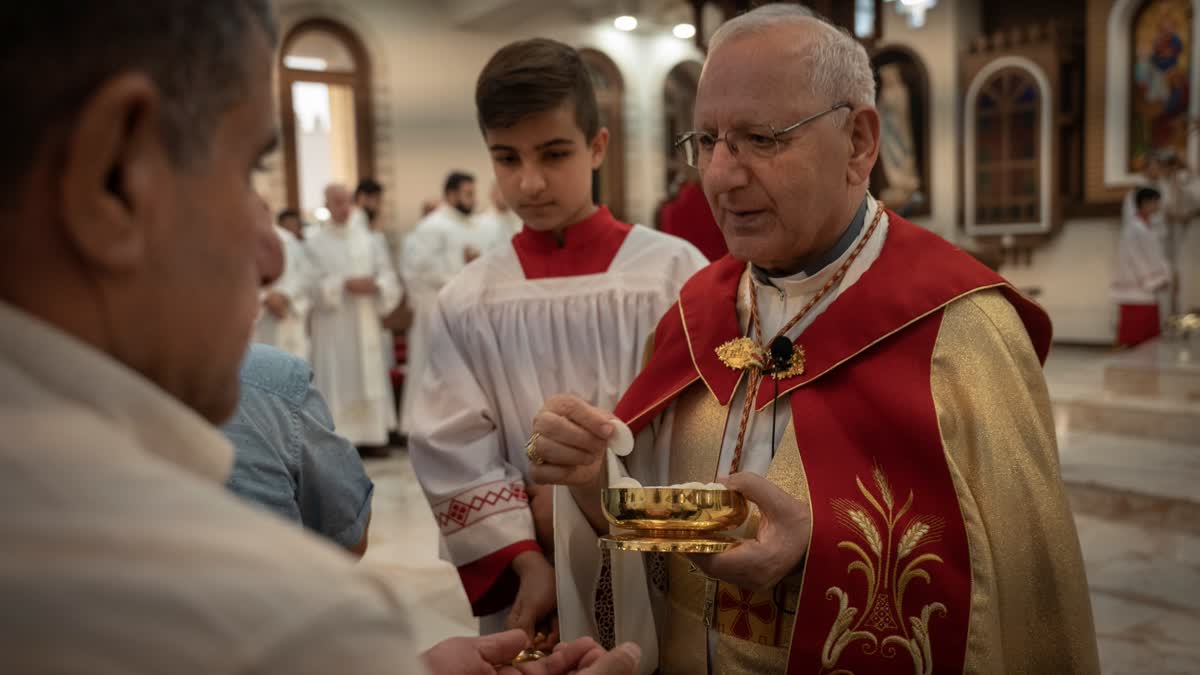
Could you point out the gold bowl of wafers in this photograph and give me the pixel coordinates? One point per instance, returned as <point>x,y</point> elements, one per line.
<point>675,519</point>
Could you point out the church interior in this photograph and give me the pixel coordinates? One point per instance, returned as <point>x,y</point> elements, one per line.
<point>1014,129</point>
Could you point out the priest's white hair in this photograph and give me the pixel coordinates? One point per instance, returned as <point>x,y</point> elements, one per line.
<point>840,69</point>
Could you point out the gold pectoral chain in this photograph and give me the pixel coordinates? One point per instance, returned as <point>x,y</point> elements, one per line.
<point>749,354</point>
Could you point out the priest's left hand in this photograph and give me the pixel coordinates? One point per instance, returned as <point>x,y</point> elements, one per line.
<point>777,549</point>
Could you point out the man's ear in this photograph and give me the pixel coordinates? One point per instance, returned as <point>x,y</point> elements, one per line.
<point>114,165</point>
<point>864,144</point>
<point>599,147</point>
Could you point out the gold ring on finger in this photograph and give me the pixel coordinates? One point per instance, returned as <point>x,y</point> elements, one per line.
<point>531,449</point>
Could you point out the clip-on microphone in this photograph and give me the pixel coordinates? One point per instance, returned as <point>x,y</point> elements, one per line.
<point>782,350</point>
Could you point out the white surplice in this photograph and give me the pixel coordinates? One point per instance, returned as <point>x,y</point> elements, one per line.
<point>347,333</point>
<point>291,332</point>
<point>502,344</point>
<point>1142,264</point>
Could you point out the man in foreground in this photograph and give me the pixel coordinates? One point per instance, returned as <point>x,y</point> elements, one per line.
<point>128,289</point>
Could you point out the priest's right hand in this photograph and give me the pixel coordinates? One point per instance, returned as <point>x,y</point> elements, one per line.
<point>570,438</point>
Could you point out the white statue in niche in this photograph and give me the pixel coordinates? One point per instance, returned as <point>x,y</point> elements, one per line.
<point>897,149</point>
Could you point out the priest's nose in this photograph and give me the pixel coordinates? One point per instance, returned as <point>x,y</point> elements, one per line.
<point>725,172</point>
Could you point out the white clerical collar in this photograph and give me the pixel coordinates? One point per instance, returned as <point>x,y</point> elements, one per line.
<point>78,373</point>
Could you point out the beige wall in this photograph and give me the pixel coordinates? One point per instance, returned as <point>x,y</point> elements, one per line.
<point>423,81</point>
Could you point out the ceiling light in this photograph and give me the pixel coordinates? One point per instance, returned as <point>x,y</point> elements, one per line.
<point>322,213</point>
<point>625,23</point>
<point>684,31</point>
<point>305,63</point>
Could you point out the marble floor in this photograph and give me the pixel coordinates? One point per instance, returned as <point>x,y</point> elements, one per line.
<point>1135,497</point>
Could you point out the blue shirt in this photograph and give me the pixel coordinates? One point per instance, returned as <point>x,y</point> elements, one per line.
<point>288,458</point>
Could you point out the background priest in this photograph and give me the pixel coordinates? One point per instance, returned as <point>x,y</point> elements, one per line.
<point>354,288</point>
<point>283,317</point>
<point>435,251</point>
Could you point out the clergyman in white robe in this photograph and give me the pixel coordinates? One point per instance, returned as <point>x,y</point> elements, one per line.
<point>347,332</point>
<point>525,322</point>
<point>289,333</point>
<point>496,227</point>
<point>434,252</point>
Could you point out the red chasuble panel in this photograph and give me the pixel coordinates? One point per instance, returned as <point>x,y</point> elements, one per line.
<point>588,247</point>
<point>887,579</point>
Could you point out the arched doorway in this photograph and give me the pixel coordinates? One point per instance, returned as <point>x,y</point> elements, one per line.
<point>679,101</point>
<point>608,184</point>
<point>324,98</point>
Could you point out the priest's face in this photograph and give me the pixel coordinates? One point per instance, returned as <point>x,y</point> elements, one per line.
<point>779,210</point>
<point>340,202</point>
<point>463,198</point>
<point>544,167</point>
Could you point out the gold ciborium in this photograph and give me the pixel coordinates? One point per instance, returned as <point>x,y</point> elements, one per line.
<point>672,520</point>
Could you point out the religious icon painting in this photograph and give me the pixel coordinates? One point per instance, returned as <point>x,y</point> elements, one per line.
<point>1161,79</point>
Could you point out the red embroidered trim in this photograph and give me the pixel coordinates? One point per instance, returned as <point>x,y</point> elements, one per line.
<point>467,508</point>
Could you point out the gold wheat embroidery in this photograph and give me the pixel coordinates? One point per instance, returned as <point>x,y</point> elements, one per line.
<point>889,566</point>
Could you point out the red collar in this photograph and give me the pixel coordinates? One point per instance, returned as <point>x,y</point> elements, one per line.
<point>588,247</point>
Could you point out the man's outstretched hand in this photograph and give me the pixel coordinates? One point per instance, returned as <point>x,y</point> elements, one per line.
<point>491,654</point>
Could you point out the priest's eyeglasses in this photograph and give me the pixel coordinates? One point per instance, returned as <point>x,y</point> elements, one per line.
<point>760,140</point>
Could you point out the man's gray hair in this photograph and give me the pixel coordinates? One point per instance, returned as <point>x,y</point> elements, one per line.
<point>57,53</point>
<point>840,68</point>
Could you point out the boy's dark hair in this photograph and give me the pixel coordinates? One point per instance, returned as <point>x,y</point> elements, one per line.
<point>455,180</point>
<point>533,76</point>
<point>1144,195</point>
<point>368,186</point>
<point>285,214</point>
